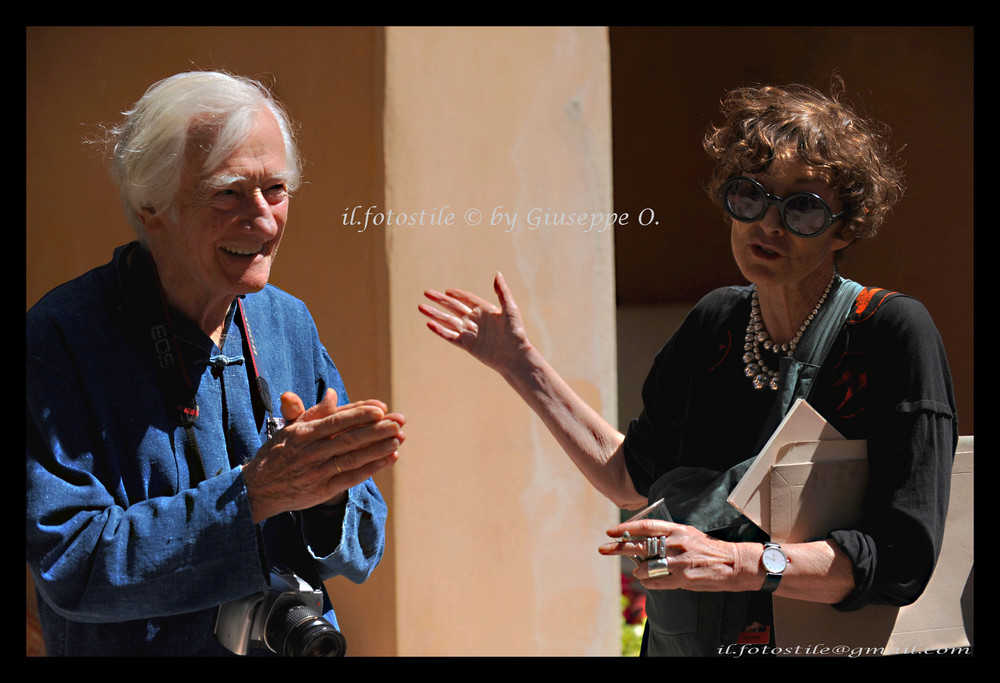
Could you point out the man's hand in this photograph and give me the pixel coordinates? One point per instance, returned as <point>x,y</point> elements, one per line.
<point>321,453</point>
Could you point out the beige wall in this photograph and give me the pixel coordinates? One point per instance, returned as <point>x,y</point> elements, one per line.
<point>492,533</point>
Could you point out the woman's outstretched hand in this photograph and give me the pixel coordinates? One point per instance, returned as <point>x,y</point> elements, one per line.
<point>495,335</point>
<point>492,334</point>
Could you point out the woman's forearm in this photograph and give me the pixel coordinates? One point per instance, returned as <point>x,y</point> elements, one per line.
<point>594,446</point>
<point>817,571</point>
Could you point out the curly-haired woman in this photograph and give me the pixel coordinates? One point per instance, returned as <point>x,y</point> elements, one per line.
<point>799,177</point>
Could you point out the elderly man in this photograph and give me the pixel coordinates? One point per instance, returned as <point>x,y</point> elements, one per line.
<point>172,465</point>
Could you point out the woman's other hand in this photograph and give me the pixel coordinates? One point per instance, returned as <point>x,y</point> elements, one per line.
<point>696,561</point>
<point>817,571</point>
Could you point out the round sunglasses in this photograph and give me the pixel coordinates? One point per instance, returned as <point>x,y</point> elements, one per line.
<point>802,213</point>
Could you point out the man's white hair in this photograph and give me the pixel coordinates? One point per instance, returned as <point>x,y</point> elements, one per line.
<point>214,110</point>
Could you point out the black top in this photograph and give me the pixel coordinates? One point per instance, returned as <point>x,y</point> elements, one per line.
<point>886,379</point>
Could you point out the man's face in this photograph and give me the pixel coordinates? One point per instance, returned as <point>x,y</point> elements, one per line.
<point>223,235</point>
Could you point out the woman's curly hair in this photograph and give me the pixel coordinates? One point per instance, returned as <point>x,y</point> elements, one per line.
<point>764,123</point>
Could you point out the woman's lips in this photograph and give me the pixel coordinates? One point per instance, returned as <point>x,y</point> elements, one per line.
<point>764,251</point>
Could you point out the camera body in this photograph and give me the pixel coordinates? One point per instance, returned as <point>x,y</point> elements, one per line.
<point>287,619</point>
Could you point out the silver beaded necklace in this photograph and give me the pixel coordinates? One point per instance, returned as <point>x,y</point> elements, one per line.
<point>757,336</point>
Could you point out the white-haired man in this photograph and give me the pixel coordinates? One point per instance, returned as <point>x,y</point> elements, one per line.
<point>172,465</point>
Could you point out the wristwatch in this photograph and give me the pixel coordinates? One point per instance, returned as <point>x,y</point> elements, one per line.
<point>774,561</point>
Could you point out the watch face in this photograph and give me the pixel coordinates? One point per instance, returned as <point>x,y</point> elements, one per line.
<point>774,560</point>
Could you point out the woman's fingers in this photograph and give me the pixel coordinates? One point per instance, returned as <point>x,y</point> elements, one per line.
<point>639,545</point>
<point>458,321</point>
<point>634,548</point>
<point>469,302</point>
<point>644,527</point>
<point>445,333</point>
<point>456,305</point>
<point>503,293</point>
<point>492,334</point>
<point>450,318</point>
<point>447,327</point>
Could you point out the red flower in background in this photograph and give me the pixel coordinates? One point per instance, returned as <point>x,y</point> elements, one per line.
<point>634,600</point>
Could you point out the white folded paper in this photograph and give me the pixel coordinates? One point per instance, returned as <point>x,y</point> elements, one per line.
<point>807,481</point>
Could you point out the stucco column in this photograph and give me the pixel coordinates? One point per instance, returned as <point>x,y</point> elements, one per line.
<point>498,135</point>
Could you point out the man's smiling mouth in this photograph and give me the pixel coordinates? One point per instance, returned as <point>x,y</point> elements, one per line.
<point>243,251</point>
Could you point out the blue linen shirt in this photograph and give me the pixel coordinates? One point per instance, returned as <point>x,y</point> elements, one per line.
<point>132,539</point>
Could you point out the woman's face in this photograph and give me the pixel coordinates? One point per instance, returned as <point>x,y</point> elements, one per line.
<point>769,255</point>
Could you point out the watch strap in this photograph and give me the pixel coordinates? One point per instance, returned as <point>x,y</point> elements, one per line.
<point>772,579</point>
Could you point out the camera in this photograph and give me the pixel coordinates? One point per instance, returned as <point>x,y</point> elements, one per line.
<point>286,620</point>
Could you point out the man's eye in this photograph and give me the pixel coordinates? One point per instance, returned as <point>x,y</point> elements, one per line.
<point>224,198</point>
<point>275,193</point>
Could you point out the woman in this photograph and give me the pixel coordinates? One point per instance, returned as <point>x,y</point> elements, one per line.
<point>800,178</point>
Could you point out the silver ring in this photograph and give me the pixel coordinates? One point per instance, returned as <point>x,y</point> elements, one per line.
<point>656,546</point>
<point>658,567</point>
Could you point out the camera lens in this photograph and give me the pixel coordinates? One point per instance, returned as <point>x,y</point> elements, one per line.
<point>299,632</point>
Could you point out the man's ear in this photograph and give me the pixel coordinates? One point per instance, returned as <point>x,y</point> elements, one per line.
<point>151,220</point>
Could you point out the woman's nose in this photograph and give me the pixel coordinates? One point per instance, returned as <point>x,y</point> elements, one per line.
<point>771,221</point>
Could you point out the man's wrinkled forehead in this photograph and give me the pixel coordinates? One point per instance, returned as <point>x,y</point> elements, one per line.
<point>206,167</point>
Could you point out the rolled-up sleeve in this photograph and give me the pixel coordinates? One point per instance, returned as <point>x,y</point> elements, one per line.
<point>348,539</point>
<point>911,447</point>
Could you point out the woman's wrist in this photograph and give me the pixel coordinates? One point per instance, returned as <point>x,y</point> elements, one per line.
<point>522,368</point>
<point>748,567</point>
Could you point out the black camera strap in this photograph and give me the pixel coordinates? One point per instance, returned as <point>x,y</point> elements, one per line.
<point>152,327</point>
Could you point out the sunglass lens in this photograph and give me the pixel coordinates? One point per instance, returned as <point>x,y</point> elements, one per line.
<point>804,214</point>
<point>744,200</point>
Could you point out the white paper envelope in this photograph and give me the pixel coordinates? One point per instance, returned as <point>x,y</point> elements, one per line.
<point>752,495</point>
<point>809,499</point>
<point>817,486</point>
